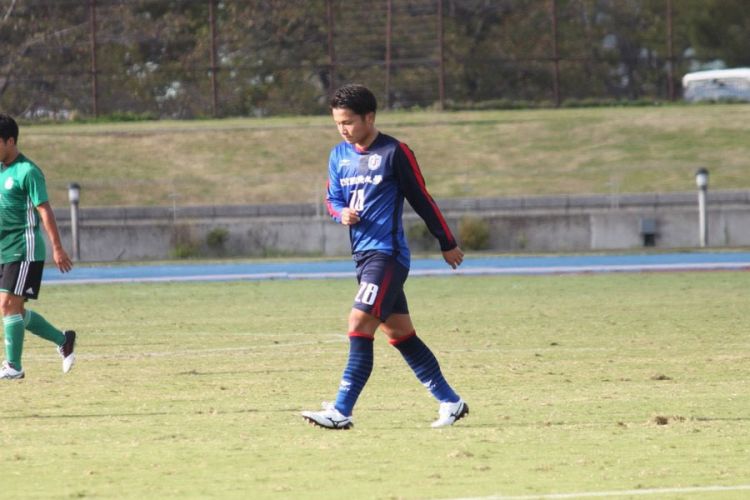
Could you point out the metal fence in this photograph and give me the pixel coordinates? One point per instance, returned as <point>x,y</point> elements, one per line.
<point>189,58</point>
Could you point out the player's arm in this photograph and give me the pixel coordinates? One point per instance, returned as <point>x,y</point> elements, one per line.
<point>413,186</point>
<point>47,216</point>
<point>335,199</point>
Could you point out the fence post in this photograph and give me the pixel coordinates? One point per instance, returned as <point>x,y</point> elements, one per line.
<point>555,54</point>
<point>214,69</point>
<point>331,50</point>
<point>441,56</point>
<point>388,38</point>
<point>94,82</point>
<point>670,53</point>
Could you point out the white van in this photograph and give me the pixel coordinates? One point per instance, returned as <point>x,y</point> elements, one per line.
<point>717,85</point>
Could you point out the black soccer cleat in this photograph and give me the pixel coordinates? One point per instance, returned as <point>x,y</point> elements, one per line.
<point>67,350</point>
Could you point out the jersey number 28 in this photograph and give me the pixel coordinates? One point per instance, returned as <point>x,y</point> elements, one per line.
<point>357,201</point>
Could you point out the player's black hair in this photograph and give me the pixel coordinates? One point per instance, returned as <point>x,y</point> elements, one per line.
<point>356,97</point>
<point>8,128</point>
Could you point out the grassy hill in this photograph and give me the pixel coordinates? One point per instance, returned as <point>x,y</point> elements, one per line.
<point>478,154</point>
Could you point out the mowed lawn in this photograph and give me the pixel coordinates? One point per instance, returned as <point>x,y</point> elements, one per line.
<point>589,383</point>
<point>462,154</point>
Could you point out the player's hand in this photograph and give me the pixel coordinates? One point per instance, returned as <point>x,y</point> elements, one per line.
<point>454,257</point>
<point>62,261</point>
<point>349,217</point>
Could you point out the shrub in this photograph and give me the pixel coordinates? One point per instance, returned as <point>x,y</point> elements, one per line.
<point>183,244</point>
<point>119,116</point>
<point>420,237</point>
<point>216,239</point>
<point>474,233</point>
<point>184,251</point>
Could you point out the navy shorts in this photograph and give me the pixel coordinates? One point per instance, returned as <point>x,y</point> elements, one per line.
<point>381,281</point>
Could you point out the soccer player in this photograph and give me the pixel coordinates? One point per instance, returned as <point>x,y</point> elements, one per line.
<point>369,175</point>
<point>23,203</point>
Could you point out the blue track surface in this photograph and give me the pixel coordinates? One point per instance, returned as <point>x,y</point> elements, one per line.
<point>420,267</point>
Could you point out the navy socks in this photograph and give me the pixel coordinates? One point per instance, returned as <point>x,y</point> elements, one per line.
<point>356,373</point>
<point>426,367</point>
<point>416,354</point>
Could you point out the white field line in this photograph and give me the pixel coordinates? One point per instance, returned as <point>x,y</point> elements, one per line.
<point>134,354</point>
<point>584,269</point>
<point>242,334</point>
<point>204,277</point>
<point>471,271</point>
<point>333,338</point>
<point>615,493</point>
<point>35,353</point>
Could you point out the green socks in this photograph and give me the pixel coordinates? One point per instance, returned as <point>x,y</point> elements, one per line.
<point>37,325</point>
<point>13,328</point>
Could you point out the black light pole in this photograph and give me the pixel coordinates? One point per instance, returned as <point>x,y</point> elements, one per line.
<point>701,180</point>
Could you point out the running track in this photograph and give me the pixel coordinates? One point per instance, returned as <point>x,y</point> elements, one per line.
<point>473,266</point>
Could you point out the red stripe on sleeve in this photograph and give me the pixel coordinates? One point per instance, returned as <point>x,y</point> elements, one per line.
<point>420,180</point>
<point>329,206</point>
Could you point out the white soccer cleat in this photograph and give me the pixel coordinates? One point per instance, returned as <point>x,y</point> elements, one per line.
<point>67,351</point>
<point>328,418</point>
<point>448,413</point>
<point>8,372</point>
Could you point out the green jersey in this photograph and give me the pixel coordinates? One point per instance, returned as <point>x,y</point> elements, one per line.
<point>22,189</point>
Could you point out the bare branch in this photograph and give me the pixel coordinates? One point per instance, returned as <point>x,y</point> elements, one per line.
<point>9,12</point>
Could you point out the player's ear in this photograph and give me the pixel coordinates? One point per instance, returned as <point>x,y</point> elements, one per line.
<point>370,118</point>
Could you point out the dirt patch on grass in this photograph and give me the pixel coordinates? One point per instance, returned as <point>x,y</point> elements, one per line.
<point>666,419</point>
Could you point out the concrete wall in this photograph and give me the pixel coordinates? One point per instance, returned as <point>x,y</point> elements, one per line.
<point>533,224</point>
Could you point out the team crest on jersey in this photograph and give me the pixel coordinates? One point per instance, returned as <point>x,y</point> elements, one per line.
<point>9,183</point>
<point>374,162</point>
<point>345,162</point>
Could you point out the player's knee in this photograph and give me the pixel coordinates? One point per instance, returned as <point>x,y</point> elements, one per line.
<point>360,321</point>
<point>397,335</point>
<point>9,306</point>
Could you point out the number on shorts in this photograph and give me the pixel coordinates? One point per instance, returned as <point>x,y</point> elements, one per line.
<point>367,293</point>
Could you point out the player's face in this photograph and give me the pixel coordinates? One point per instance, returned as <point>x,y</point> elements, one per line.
<point>354,128</point>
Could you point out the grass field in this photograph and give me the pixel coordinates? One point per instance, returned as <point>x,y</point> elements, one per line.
<point>591,383</point>
<point>462,154</point>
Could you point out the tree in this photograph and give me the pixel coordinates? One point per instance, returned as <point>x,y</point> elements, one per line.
<point>40,41</point>
<point>153,56</point>
<point>273,55</point>
<point>721,30</point>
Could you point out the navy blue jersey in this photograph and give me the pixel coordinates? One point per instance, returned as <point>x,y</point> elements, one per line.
<point>374,182</point>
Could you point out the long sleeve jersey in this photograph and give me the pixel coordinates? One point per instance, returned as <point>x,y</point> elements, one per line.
<point>374,182</point>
